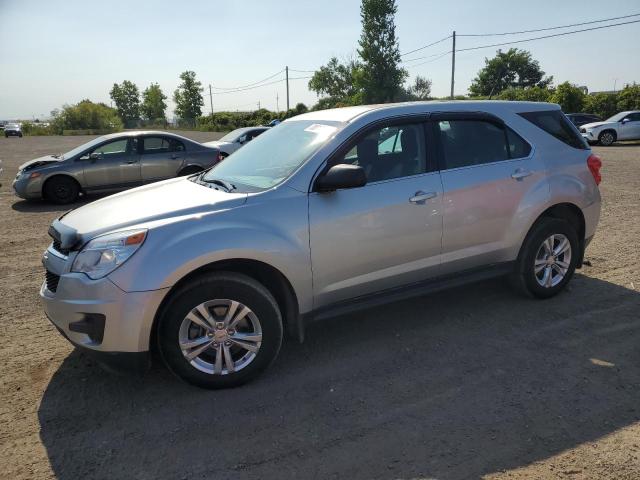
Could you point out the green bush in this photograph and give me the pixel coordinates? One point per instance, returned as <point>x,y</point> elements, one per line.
<point>602,104</point>
<point>227,121</point>
<point>86,115</point>
<point>35,129</point>
<point>629,98</point>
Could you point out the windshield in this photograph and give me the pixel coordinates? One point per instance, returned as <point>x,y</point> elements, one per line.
<point>83,147</point>
<point>273,156</point>
<point>232,136</point>
<point>617,117</point>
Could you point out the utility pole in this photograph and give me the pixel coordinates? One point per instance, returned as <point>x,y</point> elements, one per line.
<point>211,100</point>
<point>258,104</point>
<point>277,103</point>
<point>453,63</point>
<point>287,73</point>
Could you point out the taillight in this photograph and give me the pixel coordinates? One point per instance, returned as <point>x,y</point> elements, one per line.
<point>594,163</point>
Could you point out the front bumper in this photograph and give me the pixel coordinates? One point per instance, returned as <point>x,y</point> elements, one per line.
<point>73,302</point>
<point>27,189</point>
<point>589,136</point>
<point>12,133</point>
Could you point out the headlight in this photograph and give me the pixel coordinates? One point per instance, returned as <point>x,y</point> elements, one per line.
<point>104,254</point>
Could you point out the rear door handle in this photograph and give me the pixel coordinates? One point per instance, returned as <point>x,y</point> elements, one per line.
<point>421,197</point>
<point>520,174</point>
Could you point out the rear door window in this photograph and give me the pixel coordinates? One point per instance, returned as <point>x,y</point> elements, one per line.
<point>155,145</point>
<point>467,143</point>
<point>557,125</point>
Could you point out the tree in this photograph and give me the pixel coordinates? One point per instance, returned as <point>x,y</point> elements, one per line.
<point>533,94</point>
<point>629,98</point>
<point>513,68</point>
<point>382,78</point>
<point>569,97</point>
<point>153,105</point>
<point>188,97</point>
<point>127,99</point>
<point>602,104</point>
<point>421,88</point>
<point>337,80</point>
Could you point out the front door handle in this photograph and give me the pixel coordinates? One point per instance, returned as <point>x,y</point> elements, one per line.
<point>421,197</point>
<point>520,174</point>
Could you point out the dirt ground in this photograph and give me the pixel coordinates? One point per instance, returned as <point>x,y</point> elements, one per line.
<point>471,383</point>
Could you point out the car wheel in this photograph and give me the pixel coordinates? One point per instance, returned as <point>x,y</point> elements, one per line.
<point>220,330</point>
<point>606,138</point>
<point>547,259</point>
<point>61,190</point>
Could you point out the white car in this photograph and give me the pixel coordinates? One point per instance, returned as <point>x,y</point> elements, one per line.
<point>622,126</point>
<point>232,141</point>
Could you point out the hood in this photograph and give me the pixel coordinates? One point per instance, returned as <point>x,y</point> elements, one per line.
<point>178,197</point>
<point>38,162</point>
<point>598,124</point>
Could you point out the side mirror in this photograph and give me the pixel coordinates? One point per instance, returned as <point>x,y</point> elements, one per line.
<point>242,139</point>
<point>341,176</point>
<point>95,156</point>
<point>625,120</point>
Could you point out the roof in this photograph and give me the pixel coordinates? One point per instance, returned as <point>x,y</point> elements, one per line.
<point>347,114</point>
<point>132,133</point>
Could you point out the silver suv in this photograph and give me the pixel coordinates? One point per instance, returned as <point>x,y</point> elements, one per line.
<point>331,211</point>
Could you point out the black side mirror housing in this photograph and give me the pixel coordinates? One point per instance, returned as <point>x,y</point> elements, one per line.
<point>95,156</point>
<point>341,176</point>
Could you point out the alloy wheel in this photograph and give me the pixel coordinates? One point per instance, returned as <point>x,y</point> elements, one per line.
<point>220,336</point>
<point>552,260</point>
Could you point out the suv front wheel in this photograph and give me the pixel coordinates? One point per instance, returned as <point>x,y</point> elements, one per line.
<point>547,259</point>
<point>220,330</point>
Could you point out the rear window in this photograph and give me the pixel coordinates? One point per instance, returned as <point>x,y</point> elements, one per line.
<point>556,124</point>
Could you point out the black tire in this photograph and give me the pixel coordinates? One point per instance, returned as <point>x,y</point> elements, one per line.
<point>219,285</point>
<point>223,155</point>
<point>607,138</point>
<point>189,171</point>
<point>524,279</point>
<point>20,135</point>
<point>61,190</point>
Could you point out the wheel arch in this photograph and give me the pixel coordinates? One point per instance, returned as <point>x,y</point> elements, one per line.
<point>572,214</point>
<point>612,130</point>
<point>57,175</point>
<point>270,277</point>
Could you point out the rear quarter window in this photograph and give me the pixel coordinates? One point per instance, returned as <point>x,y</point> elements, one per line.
<point>557,125</point>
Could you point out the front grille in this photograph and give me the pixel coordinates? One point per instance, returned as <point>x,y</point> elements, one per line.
<point>52,281</point>
<point>56,246</point>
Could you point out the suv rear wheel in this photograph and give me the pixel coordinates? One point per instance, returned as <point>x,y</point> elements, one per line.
<point>220,330</point>
<point>547,259</point>
<point>607,138</point>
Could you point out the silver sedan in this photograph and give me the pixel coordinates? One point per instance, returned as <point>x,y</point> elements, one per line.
<point>112,163</point>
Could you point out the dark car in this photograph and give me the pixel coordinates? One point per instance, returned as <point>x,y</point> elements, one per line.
<point>579,119</point>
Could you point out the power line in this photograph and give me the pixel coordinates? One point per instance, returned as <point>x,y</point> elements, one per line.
<point>546,29</point>
<point>301,71</point>
<point>249,88</point>
<point>426,46</point>
<point>438,57</point>
<point>250,84</point>
<point>426,56</point>
<point>546,36</point>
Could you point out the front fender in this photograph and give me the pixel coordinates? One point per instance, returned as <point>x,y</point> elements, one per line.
<point>277,237</point>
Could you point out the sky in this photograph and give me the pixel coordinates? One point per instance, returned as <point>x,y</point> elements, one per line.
<point>59,52</point>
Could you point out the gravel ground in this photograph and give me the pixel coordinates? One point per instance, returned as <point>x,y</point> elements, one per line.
<point>471,383</point>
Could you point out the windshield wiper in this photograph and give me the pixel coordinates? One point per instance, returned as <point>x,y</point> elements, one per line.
<point>226,185</point>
